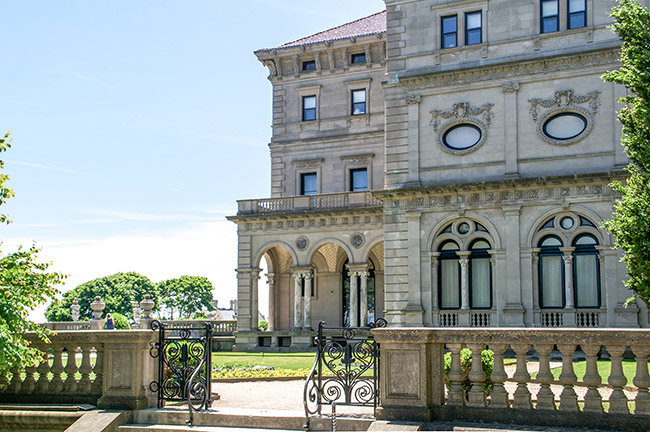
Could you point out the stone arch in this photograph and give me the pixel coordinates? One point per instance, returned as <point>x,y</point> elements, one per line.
<point>435,236</point>
<point>323,242</point>
<point>268,246</point>
<point>535,233</point>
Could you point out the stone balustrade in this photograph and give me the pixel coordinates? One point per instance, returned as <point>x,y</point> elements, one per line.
<point>413,378</point>
<point>219,327</point>
<point>311,202</point>
<point>107,368</point>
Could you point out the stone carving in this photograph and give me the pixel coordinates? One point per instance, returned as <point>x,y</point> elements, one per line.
<point>357,240</point>
<point>302,243</point>
<point>74,310</point>
<point>461,111</point>
<point>413,99</point>
<point>273,70</point>
<point>565,99</point>
<point>510,87</point>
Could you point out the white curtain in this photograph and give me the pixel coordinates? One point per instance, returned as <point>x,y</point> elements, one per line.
<point>480,282</point>
<point>551,282</point>
<point>586,276</point>
<point>450,296</point>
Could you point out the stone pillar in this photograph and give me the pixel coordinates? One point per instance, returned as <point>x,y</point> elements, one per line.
<point>568,277</point>
<point>510,90</point>
<point>146,305</point>
<point>354,322</point>
<point>413,106</point>
<point>306,325</point>
<point>435,262</point>
<point>363,275</point>
<point>136,314</point>
<point>74,310</point>
<point>297,301</point>
<point>534,259</point>
<point>463,259</point>
<point>513,312</point>
<point>254,306</point>
<point>271,318</point>
<point>414,311</point>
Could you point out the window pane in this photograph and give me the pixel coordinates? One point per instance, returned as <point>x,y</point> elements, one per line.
<point>551,281</point>
<point>473,20</point>
<point>480,283</point>
<point>577,20</point>
<point>480,244</point>
<point>449,41</point>
<point>359,179</point>
<point>550,242</point>
<point>449,24</point>
<point>586,280</point>
<point>309,65</point>
<point>308,186</point>
<point>359,58</point>
<point>309,114</point>
<point>576,6</point>
<point>473,37</point>
<point>549,8</point>
<point>358,96</point>
<point>359,108</point>
<point>449,287</point>
<point>549,25</point>
<point>309,102</point>
<point>585,240</point>
<point>450,245</point>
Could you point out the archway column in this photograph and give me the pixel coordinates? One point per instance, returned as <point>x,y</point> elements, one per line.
<point>463,259</point>
<point>270,280</point>
<point>363,275</point>
<point>358,294</point>
<point>568,277</point>
<point>297,300</point>
<point>307,276</point>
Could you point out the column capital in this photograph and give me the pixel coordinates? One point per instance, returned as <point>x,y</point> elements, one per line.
<point>357,267</point>
<point>510,87</point>
<point>568,252</point>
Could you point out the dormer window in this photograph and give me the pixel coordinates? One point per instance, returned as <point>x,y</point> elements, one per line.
<point>550,16</point>
<point>577,14</point>
<point>309,65</point>
<point>358,58</point>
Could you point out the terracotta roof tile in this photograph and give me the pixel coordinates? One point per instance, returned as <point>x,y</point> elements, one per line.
<point>368,26</point>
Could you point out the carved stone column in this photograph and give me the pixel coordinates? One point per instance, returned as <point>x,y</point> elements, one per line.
<point>568,277</point>
<point>435,262</point>
<point>297,301</point>
<point>354,313</point>
<point>271,318</point>
<point>306,325</point>
<point>254,306</point>
<point>464,279</point>
<point>363,275</point>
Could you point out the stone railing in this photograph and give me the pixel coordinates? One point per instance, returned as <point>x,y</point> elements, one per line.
<point>525,391</point>
<point>583,318</point>
<point>309,202</point>
<point>465,318</point>
<point>107,368</point>
<point>75,325</point>
<point>219,327</point>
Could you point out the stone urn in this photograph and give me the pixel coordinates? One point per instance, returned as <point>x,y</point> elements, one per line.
<point>74,310</point>
<point>146,305</point>
<point>98,308</point>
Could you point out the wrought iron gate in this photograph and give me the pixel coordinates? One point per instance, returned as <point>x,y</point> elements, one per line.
<point>346,369</point>
<point>184,365</point>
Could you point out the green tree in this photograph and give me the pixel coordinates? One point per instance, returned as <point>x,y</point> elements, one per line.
<point>25,284</point>
<point>185,296</point>
<point>630,223</point>
<point>117,291</point>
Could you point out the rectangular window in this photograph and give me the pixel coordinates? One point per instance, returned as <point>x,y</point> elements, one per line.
<point>550,16</point>
<point>358,58</point>
<point>358,102</point>
<point>577,13</point>
<point>308,108</point>
<point>585,273</point>
<point>309,65</point>
<point>449,31</point>
<point>308,184</point>
<point>473,27</point>
<point>480,276</point>
<point>359,179</point>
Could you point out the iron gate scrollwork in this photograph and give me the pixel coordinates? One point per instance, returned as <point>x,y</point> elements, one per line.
<point>184,365</point>
<point>346,369</point>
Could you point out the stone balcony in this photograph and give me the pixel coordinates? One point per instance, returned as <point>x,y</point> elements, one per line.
<point>304,203</point>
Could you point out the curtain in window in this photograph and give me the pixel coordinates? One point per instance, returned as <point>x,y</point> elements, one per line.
<point>551,283</point>
<point>449,283</point>
<point>586,280</point>
<point>480,282</point>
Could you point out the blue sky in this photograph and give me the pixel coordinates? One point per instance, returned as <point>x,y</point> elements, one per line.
<point>137,125</point>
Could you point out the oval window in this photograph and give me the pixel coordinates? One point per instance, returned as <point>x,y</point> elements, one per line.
<point>462,136</point>
<point>565,126</point>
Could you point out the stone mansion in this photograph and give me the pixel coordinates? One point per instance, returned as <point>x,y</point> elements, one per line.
<point>442,163</point>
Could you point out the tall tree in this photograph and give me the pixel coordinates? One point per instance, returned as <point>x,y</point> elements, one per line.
<point>25,284</point>
<point>630,223</point>
<point>117,291</point>
<point>185,296</point>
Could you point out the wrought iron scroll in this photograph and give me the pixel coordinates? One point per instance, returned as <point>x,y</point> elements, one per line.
<point>345,371</point>
<point>184,365</point>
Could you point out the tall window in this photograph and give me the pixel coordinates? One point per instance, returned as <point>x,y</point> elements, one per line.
<point>473,24</point>
<point>449,276</point>
<point>577,14</point>
<point>550,16</point>
<point>586,271</point>
<point>480,272</point>
<point>308,108</point>
<point>308,184</point>
<point>358,102</point>
<point>449,31</point>
<point>551,273</point>
<point>359,179</point>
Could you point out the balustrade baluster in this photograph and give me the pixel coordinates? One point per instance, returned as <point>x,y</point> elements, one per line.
<point>70,384</point>
<point>14,385</point>
<point>43,383</point>
<point>499,396</point>
<point>642,381</point>
<point>29,383</point>
<point>85,369</point>
<point>456,394</point>
<point>545,396</point>
<point>96,387</point>
<point>592,379</point>
<point>618,400</point>
<point>476,395</point>
<point>568,379</point>
<point>56,384</point>
<point>521,396</point>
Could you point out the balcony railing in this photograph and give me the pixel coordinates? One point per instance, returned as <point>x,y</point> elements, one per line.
<point>309,202</point>
<point>219,327</point>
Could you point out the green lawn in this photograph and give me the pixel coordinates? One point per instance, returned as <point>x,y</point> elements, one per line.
<point>290,361</point>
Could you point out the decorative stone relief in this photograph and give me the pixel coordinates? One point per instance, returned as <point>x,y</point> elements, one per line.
<point>462,115</point>
<point>461,111</point>
<point>413,99</point>
<point>565,98</point>
<point>357,240</point>
<point>302,243</point>
<point>510,87</point>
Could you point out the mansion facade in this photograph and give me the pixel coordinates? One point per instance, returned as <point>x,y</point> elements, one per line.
<point>440,164</point>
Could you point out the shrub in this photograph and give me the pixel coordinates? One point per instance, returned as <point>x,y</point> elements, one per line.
<point>487,361</point>
<point>263,325</point>
<point>121,322</point>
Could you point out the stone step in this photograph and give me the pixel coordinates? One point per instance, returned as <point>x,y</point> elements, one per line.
<point>179,428</point>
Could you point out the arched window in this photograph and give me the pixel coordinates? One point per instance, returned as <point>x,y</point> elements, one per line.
<point>449,276</point>
<point>480,272</point>
<point>551,273</point>
<point>586,271</point>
